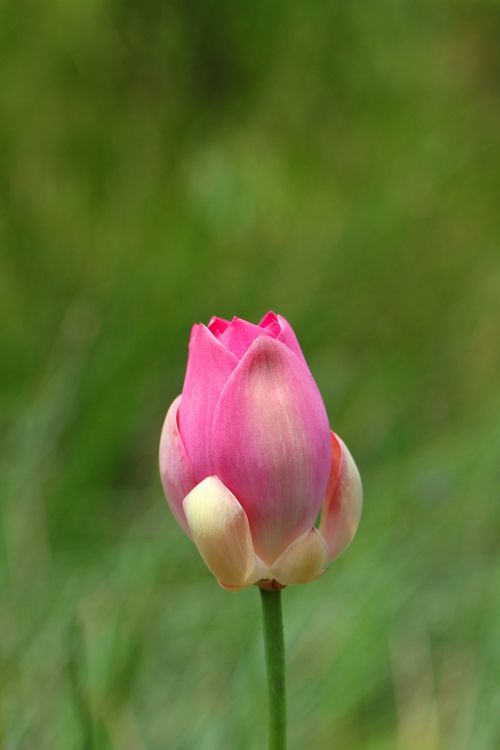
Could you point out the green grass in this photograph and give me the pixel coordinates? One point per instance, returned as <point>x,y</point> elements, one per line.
<point>339,163</point>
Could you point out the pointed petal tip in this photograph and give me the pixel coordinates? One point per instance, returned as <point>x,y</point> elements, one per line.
<point>217,325</point>
<point>240,335</point>
<point>270,323</point>
<point>194,330</point>
<point>280,328</point>
<point>269,317</point>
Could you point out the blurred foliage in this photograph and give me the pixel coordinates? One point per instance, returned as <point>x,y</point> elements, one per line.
<point>164,161</point>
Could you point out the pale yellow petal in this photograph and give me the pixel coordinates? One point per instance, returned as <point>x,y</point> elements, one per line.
<point>220,530</point>
<point>302,561</point>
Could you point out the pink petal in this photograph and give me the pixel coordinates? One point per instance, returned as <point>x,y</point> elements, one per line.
<point>220,530</point>
<point>209,366</point>
<point>280,328</point>
<point>217,326</point>
<point>239,335</point>
<point>341,510</point>
<point>175,469</point>
<point>271,323</point>
<point>271,444</point>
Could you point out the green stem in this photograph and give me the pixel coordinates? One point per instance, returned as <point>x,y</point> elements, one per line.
<point>274,647</point>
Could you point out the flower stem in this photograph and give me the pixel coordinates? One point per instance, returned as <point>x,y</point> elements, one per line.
<point>274,647</point>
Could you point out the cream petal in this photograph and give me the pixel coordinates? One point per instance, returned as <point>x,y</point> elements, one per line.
<point>302,561</point>
<point>261,572</point>
<point>219,528</point>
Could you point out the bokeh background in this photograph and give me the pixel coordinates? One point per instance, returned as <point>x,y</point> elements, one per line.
<point>163,161</point>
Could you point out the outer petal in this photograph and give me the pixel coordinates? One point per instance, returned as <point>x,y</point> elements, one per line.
<point>175,469</point>
<point>280,328</point>
<point>302,561</point>
<point>271,444</point>
<point>239,335</point>
<point>220,530</point>
<point>343,501</point>
<point>209,366</point>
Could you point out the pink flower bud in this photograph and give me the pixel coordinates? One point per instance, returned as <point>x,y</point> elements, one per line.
<point>247,458</point>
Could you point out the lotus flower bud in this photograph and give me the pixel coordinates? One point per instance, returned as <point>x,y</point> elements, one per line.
<point>247,458</point>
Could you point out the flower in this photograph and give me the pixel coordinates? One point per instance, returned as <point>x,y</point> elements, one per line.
<point>247,458</point>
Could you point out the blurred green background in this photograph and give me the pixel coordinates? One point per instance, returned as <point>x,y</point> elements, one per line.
<point>164,161</point>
